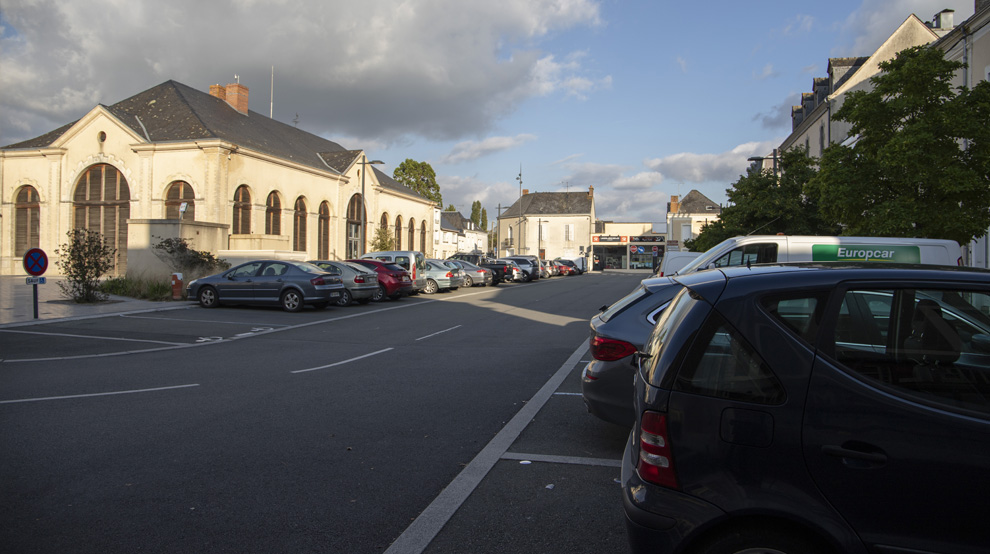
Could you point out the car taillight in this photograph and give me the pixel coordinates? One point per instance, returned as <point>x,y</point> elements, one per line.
<point>317,281</point>
<point>449,275</point>
<point>609,350</point>
<point>359,279</point>
<point>656,463</point>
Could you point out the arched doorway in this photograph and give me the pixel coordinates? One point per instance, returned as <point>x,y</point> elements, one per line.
<point>101,203</point>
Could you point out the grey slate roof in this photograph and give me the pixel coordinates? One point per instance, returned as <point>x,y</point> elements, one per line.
<point>550,203</point>
<point>454,221</point>
<point>174,112</point>
<point>694,203</point>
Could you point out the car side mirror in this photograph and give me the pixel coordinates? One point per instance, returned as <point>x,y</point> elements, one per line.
<point>603,308</point>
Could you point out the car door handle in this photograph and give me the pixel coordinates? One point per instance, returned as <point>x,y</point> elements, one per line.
<point>841,452</point>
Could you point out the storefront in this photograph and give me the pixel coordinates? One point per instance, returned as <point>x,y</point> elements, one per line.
<point>627,252</point>
<point>645,252</point>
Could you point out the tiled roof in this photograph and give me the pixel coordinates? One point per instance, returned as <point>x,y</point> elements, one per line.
<point>550,203</point>
<point>694,203</point>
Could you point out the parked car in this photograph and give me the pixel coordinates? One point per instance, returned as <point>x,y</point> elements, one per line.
<point>413,261</point>
<point>546,271</point>
<point>291,285</point>
<point>393,281</point>
<point>575,268</point>
<point>561,268</point>
<point>618,332</point>
<point>439,277</point>
<point>472,274</point>
<point>814,409</point>
<point>513,267</point>
<point>672,262</point>
<point>360,282</point>
<point>499,272</point>
<point>530,266</point>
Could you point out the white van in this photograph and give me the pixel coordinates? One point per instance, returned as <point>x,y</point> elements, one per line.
<point>672,262</point>
<point>760,249</point>
<point>412,261</point>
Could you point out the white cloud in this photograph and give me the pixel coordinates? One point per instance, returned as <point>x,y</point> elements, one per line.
<point>682,63</point>
<point>724,167</point>
<point>471,150</point>
<point>799,25</point>
<point>441,69</point>
<point>869,26</point>
<point>766,73</point>
<point>779,116</point>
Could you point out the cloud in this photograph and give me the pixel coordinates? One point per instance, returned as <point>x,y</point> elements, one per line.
<point>441,70</point>
<point>779,116</point>
<point>799,25</point>
<point>471,150</point>
<point>869,26</point>
<point>724,167</point>
<point>682,63</point>
<point>767,73</point>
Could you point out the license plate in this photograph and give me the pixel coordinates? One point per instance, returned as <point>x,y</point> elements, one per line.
<point>334,294</point>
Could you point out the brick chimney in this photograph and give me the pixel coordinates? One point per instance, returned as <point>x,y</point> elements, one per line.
<point>591,191</point>
<point>673,206</point>
<point>234,94</point>
<point>525,192</point>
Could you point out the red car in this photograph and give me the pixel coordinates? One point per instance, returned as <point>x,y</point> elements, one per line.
<point>393,281</point>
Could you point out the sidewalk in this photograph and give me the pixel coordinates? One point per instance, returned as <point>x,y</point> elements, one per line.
<point>17,303</point>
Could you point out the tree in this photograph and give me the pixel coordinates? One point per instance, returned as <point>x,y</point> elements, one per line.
<point>450,208</point>
<point>420,177</point>
<point>383,240</point>
<point>180,257</point>
<point>920,166</point>
<point>484,218</point>
<point>761,202</point>
<point>84,260</point>
<point>476,213</point>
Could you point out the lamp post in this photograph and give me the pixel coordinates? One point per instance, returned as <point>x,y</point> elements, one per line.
<point>364,209</point>
<point>761,159</point>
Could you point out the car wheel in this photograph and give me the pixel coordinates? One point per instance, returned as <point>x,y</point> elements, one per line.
<point>757,540</point>
<point>468,282</point>
<point>291,300</point>
<point>208,297</point>
<point>380,294</point>
<point>345,298</point>
<point>526,277</point>
<point>431,286</point>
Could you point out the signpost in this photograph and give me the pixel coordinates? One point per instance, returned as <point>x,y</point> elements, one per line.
<point>35,263</point>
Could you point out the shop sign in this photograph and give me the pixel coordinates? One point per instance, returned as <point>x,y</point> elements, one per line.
<point>648,238</point>
<point>608,238</point>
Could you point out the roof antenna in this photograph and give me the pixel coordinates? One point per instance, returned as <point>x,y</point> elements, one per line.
<point>237,78</point>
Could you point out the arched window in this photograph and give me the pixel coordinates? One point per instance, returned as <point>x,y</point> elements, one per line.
<point>422,237</point>
<point>299,225</point>
<point>27,222</point>
<point>412,233</point>
<point>384,222</point>
<point>354,246</point>
<point>323,242</point>
<point>273,214</point>
<point>242,211</point>
<point>398,232</point>
<point>101,203</point>
<point>179,193</point>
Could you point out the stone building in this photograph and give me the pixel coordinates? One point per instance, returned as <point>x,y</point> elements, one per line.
<point>174,161</point>
<point>548,225</point>
<point>686,217</point>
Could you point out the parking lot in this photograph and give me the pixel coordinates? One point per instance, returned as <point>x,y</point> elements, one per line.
<point>524,469</point>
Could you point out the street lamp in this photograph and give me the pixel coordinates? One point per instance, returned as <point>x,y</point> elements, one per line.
<point>364,209</point>
<point>761,159</point>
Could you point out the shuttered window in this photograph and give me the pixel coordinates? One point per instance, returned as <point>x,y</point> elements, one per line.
<point>299,225</point>
<point>242,211</point>
<point>179,193</point>
<point>101,203</point>
<point>323,242</point>
<point>27,221</point>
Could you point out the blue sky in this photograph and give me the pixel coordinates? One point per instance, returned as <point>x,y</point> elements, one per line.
<point>640,99</point>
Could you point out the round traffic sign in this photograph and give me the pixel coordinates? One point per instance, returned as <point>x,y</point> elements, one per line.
<point>35,261</point>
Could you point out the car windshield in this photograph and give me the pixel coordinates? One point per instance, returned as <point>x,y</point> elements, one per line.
<point>393,267</point>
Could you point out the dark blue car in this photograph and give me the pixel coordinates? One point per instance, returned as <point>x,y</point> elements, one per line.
<point>814,409</point>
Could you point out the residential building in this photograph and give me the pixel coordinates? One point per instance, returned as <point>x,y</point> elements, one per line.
<point>686,216</point>
<point>459,234</point>
<point>548,224</point>
<point>174,161</point>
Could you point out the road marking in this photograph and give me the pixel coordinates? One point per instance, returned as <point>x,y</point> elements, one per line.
<point>72,336</point>
<point>427,526</point>
<point>439,332</point>
<point>97,394</point>
<point>343,362</point>
<point>568,394</point>
<point>575,460</point>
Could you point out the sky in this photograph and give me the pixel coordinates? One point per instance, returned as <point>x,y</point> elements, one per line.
<point>641,99</point>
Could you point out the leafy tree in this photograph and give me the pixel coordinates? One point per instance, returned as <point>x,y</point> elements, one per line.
<point>476,213</point>
<point>84,260</point>
<point>484,218</point>
<point>420,177</point>
<point>761,202</point>
<point>180,257</point>
<point>383,240</point>
<point>450,208</point>
<point>920,166</point>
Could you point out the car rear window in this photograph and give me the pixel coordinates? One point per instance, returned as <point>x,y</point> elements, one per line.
<point>393,267</point>
<point>624,302</point>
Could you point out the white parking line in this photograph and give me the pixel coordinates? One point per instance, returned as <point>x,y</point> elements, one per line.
<point>343,362</point>
<point>425,528</point>
<point>97,394</point>
<point>574,460</point>
<point>72,336</point>
<point>439,332</point>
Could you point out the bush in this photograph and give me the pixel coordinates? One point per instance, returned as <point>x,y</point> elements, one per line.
<point>177,254</point>
<point>83,261</point>
<point>156,289</point>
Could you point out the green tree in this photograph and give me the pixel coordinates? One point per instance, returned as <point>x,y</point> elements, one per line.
<point>761,202</point>
<point>177,253</point>
<point>383,240</point>
<point>484,218</point>
<point>84,260</point>
<point>450,208</point>
<point>920,166</point>
<point>476,213</point>
<point>420,177</point>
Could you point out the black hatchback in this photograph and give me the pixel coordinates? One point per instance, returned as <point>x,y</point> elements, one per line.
<point>814,409</point>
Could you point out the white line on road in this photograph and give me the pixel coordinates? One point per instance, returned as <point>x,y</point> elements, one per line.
<point>567,394</point>
<point>96,394</point>
<point>439,332</point>
<point>574,460</point>
<point>425,528</point>
<point>72,336</point>
<point>343,362</point>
